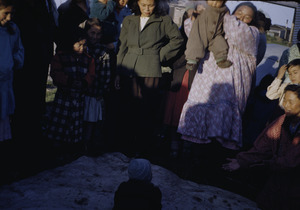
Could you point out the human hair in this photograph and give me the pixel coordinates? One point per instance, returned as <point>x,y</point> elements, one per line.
<point>92,22</point>
<point>78,35</point>
<point>254,9</point>
<point>263,21</point>
<point>295,62</point>
<point>161,7</point>
<point>4,4</point>
<point>294,88</point>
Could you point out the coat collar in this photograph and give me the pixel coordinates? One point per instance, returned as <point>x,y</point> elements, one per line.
<point>152,19</point>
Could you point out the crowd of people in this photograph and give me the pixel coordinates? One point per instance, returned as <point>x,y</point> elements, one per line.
<point>127,76</point>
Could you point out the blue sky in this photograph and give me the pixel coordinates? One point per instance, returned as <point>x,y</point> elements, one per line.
<point>278,14</point>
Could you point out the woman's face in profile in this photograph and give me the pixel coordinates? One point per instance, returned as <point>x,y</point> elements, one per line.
<point>244,13</point>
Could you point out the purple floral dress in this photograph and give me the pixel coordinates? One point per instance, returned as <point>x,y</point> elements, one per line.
<point>218,97</point>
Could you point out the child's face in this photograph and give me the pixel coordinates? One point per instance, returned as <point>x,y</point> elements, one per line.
<point>79,46</point>
<point>217,4</point>
<point>294,74</point>
<point>122,3</point>
<point>5,14</point>
<point>190,12</point>
<point>94,34</point>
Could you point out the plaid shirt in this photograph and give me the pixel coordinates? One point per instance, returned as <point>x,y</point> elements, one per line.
<point>66,67</point>
<point>104,66</point>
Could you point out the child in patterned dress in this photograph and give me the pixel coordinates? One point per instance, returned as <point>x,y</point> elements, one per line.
<point>94,110</point>
<point>72,71</point>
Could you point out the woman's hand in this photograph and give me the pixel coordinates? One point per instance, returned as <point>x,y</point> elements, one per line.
<point>233,165</point>
<point>117,82</point>
<point>281,71</point>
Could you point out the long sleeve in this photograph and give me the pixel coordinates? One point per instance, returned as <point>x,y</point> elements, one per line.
<point>56,72</point>
<point>276,90</point>
<point>264,147</point>
<point>171,49</point>
<point>261,150</point>
<point>18,52</point>
<point>102,11</point>
<point>123,43</point>
<point>205,27</point>
<point>290,159</point>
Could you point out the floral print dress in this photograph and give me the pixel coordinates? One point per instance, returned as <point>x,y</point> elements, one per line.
<point>218,97</point>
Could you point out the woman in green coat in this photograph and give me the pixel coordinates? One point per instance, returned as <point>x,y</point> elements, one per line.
<point>149,41</point>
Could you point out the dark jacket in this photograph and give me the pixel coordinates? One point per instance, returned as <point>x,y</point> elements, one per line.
<point>275,147</point>
<point>278,149</point>
<point>137,195</point>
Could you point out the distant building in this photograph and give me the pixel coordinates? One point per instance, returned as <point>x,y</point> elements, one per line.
<point>279,31</point>
<point>292,38</point>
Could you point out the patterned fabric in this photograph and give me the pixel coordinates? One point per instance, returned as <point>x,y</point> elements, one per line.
<point>102,70</point>
<point>94,108</point>
<point>188,26</point>
<point>218,97</point>
<point>68,72</point>
<point>66,122</point>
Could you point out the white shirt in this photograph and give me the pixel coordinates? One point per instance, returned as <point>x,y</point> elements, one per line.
<point>143,21</point>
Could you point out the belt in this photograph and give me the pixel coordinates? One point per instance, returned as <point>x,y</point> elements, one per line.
<point>141,51</point>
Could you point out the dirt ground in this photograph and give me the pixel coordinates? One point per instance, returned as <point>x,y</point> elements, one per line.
<point>200,164</point>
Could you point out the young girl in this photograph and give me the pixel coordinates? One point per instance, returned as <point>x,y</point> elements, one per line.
<point>94,109</point>
<point>104,11</point>
<point>276,89</point>
<point>72,72</point>
<point>11,58</point>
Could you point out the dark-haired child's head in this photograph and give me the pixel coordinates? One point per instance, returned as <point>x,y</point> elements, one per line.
<point>93,29</point>
<point>291,101</point>
<point>79,46</point>
<point>293,69</point>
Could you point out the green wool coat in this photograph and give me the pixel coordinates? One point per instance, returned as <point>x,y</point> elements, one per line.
<point>141,53</point>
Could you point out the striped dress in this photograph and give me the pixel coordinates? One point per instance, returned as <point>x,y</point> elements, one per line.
<point>218,97</point>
